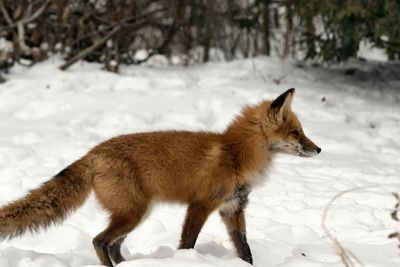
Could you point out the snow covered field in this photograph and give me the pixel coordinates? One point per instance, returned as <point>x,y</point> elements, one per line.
<point>49,118</point>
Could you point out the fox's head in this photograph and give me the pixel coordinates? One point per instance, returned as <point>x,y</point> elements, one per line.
<point>283,129</point>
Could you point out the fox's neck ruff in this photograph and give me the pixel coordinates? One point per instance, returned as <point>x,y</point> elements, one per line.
<point>247,146</point>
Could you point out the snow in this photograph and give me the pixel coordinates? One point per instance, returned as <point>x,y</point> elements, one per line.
<point>367,50</point>
<point>49,118</point>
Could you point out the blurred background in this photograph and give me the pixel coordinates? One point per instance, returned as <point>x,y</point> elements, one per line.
<point>115,32</point>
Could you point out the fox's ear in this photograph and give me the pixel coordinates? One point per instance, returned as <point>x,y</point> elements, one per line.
<point>281,105</point>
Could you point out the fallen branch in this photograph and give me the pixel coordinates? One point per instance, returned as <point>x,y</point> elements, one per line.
<point>88,50</point>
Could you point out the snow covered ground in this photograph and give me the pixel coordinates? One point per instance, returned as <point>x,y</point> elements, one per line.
<point>49,118</point>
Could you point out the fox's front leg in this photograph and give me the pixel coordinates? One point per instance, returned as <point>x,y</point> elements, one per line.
<point>236,225</point>
<point>232,214</point>
<point>196,216</point>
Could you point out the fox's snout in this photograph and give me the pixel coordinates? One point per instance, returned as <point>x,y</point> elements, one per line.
<point>306,152</point>
<point>308,149</point>
<point>302,148</point>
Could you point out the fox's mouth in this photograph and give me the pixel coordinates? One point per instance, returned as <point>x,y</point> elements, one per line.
<point>295,149</point>
<point>308,154</point>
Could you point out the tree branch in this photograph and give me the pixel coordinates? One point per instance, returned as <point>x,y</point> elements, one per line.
<point>32,17</point>
<point>5,13</point>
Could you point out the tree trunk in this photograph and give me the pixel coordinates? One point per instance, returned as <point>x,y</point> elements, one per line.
<point>2,79</point>
<point>310,31</point>
<point>289,30</point>
<point>266,27</point>
<point>208,30</point>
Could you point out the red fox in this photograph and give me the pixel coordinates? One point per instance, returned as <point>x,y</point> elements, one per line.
<point>208,171</point>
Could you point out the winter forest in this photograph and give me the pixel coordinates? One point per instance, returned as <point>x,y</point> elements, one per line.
<point>111,32</point>
<point>193,95</point>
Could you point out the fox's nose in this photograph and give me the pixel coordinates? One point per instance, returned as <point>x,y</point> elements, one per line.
<point>318,150</point>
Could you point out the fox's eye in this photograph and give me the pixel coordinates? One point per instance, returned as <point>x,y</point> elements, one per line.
<point>294,133</point>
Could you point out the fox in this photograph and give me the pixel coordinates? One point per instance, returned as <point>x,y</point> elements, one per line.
<point>207,171</point>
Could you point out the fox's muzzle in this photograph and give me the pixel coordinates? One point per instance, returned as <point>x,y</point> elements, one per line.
<point>309,149</point>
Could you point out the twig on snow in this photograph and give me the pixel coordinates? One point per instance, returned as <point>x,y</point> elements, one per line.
<point>395,216</point>
<point>345,255</point>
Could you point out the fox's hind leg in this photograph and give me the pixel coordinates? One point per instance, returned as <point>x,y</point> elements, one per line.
<point>119,191</point>
<point>115,251</point>
<point>108,242</point>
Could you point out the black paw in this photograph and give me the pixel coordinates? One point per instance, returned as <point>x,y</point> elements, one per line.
<point>247,258</point>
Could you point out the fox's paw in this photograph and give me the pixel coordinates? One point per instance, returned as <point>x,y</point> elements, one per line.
<point>247,258</point>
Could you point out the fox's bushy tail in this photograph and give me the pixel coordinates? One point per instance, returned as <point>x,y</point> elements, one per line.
<point>48,204</point>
